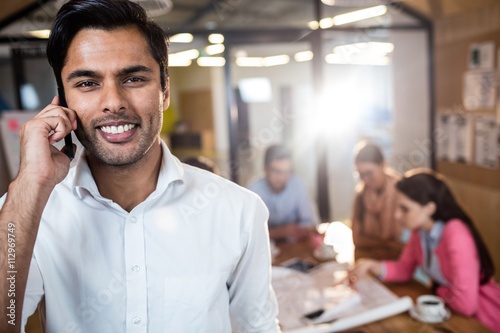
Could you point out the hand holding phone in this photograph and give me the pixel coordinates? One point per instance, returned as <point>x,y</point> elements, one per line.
<point>68,141</point>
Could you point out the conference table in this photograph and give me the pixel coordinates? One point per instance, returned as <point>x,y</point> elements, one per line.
<point>399,323</point>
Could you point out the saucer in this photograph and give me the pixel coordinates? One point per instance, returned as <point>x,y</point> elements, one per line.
<point>433,320</point>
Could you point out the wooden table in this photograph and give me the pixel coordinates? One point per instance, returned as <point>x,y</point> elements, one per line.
<point>401,323</point>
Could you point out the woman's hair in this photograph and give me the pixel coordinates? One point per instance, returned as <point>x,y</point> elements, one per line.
<point>366,152</point>
<point>424,186</point>
<point>107,15</point>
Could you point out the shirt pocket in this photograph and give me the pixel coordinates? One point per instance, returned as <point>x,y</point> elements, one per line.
<point>196,304</point>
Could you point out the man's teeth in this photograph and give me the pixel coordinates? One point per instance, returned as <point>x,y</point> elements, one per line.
<point>117,129</point>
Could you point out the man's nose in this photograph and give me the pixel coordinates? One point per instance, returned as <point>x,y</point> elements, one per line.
<point>113,98</point>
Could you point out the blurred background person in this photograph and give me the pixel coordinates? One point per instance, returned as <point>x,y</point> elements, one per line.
<point>446,244</point>
<point>373,223</point>
<point>292,214</point>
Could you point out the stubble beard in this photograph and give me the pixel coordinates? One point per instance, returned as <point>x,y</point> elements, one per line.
<point>104,155</point>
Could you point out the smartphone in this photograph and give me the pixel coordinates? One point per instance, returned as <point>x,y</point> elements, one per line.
<point>68,140</point>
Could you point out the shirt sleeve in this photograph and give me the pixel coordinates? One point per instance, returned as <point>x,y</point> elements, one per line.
<point>308,214</point>
<point>459,250</point>
<point>402,269</point>
<point>253,305</point>
<point>34,292</point>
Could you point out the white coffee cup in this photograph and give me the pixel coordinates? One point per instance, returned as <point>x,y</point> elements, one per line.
<point>431,307</point>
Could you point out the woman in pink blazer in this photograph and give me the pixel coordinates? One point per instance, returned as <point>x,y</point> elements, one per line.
<point>446,245</point>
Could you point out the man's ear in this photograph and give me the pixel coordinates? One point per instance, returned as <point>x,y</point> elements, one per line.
<point>166,95</point>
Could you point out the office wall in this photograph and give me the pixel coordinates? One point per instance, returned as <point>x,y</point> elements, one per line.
<point>476,187</point>
<point>194,79</point>
<point>411,71</point>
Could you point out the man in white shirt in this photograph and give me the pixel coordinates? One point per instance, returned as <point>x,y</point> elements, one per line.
<point>127,239</point>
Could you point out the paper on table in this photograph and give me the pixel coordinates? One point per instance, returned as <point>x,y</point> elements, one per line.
<point>300,293</point>
<point>380,312</point>
<point>336,310</point>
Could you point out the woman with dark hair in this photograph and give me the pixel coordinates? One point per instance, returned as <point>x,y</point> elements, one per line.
<point>373,223</point>
<point>445,243</point>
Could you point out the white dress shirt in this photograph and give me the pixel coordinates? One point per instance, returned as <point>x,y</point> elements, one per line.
<point>193,257</point>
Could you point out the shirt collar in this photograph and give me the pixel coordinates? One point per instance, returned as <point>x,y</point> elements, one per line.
<point>83,182</point>
<point>435,233</point>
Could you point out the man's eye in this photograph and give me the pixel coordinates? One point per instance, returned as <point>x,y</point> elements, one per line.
<point>85,84</point>
<point>134,79</point>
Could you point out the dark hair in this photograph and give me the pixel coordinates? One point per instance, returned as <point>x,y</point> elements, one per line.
<point>367,152</point>
<point>424,186</point>
<point>276,152</point>
<point>107,15</point>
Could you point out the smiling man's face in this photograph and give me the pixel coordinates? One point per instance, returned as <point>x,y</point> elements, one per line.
<point>112,82</point>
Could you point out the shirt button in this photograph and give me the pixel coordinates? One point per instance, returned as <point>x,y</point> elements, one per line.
<point>133,219</point>
<point>136,268</point>
<point>136,320</point>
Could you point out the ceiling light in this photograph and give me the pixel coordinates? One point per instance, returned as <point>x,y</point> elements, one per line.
<point>181,38</point>
<point>359,15</point>
<point>263,61</point>
<point>211,61</point>
<point>373,48</point>
<point>370,60</point>
<point>303,56</point>
<point>183,58</point>
<point>44,34</point>
<point>188,54</point>
<point>214,49</point>
<point>178,62</point>
<point>313,25</point>
<point>326,23</point>
<point>336,59</point>
<point>216,38</point>
<point>342,59</point>
<point>250,61</point>
<point>276,60</point>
